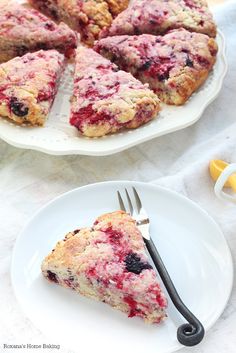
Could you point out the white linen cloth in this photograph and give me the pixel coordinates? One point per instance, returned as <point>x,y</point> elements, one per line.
<point>179,161</point>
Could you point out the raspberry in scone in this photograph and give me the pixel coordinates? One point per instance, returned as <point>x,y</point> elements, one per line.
<point>108,263</point>
<point>174,65</point>
<point>28,85</point>
<point>87,17</point>
<point>159,16</point>
<point>106,100</point>
<point>25,30</point>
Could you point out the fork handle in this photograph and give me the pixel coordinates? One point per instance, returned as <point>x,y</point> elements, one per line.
<point>191,333</point>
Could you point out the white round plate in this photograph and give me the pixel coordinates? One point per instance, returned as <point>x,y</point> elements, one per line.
<point>59,138</point>
<point>190,242</point>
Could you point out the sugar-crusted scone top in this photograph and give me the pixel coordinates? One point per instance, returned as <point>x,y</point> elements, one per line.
<point>173,48</point>
<point>157,17</point>
<point>102,84</point>
<point>174,64</point>
<point>22,23</point>
<point>33,72</point>
<point>108,97</point>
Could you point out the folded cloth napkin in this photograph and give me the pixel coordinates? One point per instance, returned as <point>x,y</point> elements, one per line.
<point>179,161</point>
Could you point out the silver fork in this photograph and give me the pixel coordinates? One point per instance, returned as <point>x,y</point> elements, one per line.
<point>188,334</point>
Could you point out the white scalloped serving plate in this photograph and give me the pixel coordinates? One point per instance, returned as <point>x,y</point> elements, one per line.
<point>59,138</point>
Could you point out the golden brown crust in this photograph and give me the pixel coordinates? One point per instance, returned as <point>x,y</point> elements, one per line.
<point>99,17</point>
<point>185,83</point>
<point>6,55</point>
<point>117,6</point>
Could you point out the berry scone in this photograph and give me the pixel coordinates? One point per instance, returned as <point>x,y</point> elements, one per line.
<point>107,262</point>
<point>25,30</point>
<point>88,17</point>
<point>159,16</point>
<point>28,85</point>
<point>174,65</point>
<point>106,100</point>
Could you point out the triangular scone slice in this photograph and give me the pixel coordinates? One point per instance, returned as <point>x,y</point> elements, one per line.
<point>88,17</point>
<point>25,30</point>
<point>28,86</point>
<point>159,16</point>
<point>108,263</point>
<point>106,100</point>
<point>174,65</point>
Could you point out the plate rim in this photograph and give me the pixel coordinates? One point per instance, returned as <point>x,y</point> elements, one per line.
<point>124,146</point>
<point>182,197</point>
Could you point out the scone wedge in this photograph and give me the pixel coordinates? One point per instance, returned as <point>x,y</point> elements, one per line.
<point>105,99</point>
<point>24,30</point>
<point>107,262</point>
<point>88,17</point>
<point>28,86</point>
<point>174,65</point>
<point>160,16</point>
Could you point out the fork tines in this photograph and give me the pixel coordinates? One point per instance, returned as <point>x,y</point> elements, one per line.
<point>137,211</point>
<point>131,208</point>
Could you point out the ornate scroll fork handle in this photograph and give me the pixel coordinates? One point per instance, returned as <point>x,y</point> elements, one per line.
<point>191,333</point>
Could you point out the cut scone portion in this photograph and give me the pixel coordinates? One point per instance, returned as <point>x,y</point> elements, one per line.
<point>24,30</point>
<point>158,16</point>
<point>106,100</point>
<point>28,86</point>
<point>174,65</point>
<point>108,263</point>
<point>88,17</point>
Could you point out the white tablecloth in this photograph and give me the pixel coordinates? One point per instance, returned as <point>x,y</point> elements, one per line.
<point>179,161</point>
